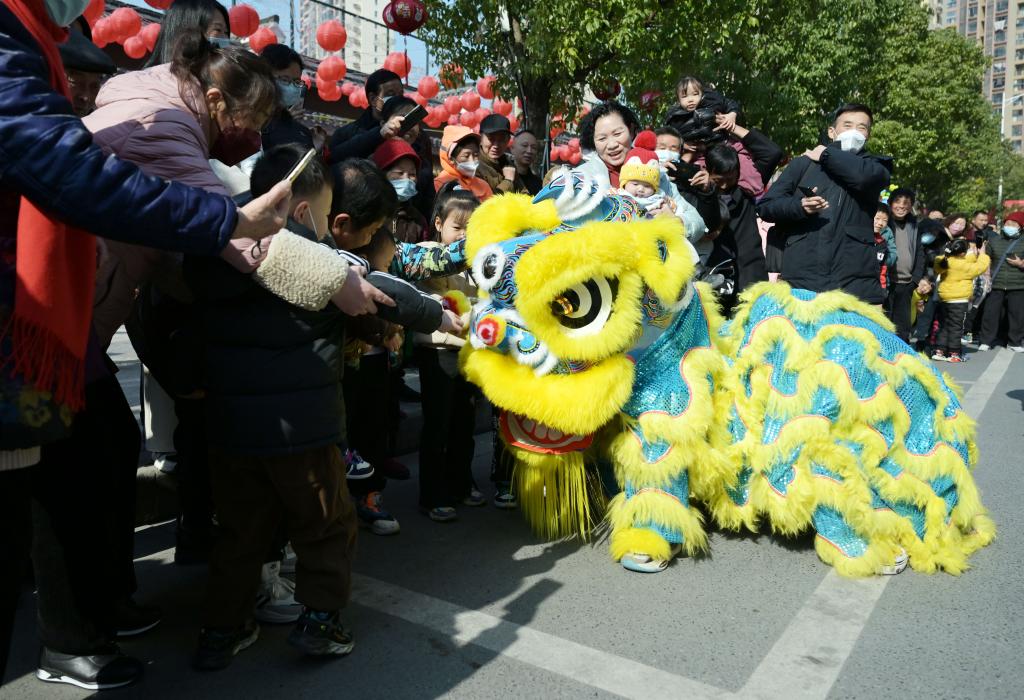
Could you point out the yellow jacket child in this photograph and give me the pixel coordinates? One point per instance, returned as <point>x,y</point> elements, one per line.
<point>958,273</point>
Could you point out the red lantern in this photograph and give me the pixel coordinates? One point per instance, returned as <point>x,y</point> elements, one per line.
<point>398,63</point>
<point>608,91</point>
<point>149,35</point>
<point>160,4</point>
<point>420,99</point>
<point>469,119</point>
<point>357,98</point>
<point>481,113</point>
<point>436,117</point>
<point>428,87</point>
<point>470,101</point>
<point>513,123</point>
<point>134,47</point>
<point>574,144</point>
<point>404,16</point>
<point>125,22</point>
<point>261,38</point>
<point>93,11</point>
<point>331,35</point>
<point>347,88</point>
<point>245,20</point>
<point>332,94</point>
<point>575,158</point>
<point>450,75</point>
<point>332,68</point>
<point>502,107</point>
<point>452,104</point>
<point>485,86</point>
<point>101,32</point>
<point>306,80</point>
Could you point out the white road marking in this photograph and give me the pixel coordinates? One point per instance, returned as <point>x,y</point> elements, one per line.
<point>805,661</point>
<point>590,667</point>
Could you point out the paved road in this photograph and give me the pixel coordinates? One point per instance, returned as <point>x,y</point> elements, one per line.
<point>478,608</point>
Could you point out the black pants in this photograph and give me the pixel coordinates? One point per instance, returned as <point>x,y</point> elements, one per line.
<point>15,538</point>
<point>925,323</point>
<point>502,462</point>
<point>367,403</point>
<point>900,298</point>
<point>83,517</point>
<point>1013,301</point>
<point>446,444</point>
<point>951,326</point>
<point>195,499</point>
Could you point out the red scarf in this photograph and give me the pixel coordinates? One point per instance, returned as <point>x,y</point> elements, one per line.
<point>55,265</point>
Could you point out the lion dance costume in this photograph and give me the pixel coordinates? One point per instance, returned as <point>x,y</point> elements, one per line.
<point>804,410</point>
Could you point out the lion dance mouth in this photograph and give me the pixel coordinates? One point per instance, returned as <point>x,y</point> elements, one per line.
<point>532,436</point>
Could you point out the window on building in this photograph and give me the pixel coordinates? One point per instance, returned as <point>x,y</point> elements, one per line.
<point>999,52</point>
<point>998,37</point>
<point>1016,145</point>
<point>1017,130</point>
<point>998,82</point>
<point>1018,112</point>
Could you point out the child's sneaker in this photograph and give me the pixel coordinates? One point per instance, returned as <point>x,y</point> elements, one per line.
<point>218,647</point>
<point>967,339</point>
<point>475,499</point>
<point>956,357</point>
<point>275,601</point>
<point>321,634</point>
<point>443,514</point>
<point>370,509</point>
<point>939,356</point>
<point>984,347</point>
<point>504,498</point>
<point>358,468</point>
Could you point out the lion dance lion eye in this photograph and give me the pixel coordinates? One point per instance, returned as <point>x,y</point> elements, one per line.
<point>584,308</point>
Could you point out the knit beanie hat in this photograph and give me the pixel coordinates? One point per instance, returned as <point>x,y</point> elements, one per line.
<point>642,162</point>
<point>1016,217</point>
<point>394,150</point>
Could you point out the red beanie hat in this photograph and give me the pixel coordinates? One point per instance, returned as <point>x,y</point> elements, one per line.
<point>394,150</point>
<point>646,139</point>
<point>1016,217</point>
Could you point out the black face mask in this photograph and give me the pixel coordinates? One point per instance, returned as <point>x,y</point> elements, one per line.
<point>235,145</point>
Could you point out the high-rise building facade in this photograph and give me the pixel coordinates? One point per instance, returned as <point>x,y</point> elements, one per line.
<point>998,25</point>
<point>367,43</point>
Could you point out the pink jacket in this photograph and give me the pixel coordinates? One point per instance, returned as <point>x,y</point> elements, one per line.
<point>143,117</point>
<point>750,179</point>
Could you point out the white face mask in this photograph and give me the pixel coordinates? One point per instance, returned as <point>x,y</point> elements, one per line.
<point>468,168</point>
<point>64,12</point>
<point>666,156</point>
<point>405,189</point>
<point>851,140</point>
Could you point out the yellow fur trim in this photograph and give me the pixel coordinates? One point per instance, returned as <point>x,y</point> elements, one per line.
<point>507,216</point>
<point>556,494</point>
<point>660,509</point>
<point>573,403</point>
<point>640,541</point>
<point>628,253</point>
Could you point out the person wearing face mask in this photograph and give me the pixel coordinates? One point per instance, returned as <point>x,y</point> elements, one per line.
<point>460,157</point>
<point>400,164</point>
<point>399,106</point>
<point>59,189</point>
<point>208,16</point>
<point>285,127</point>
<point>1006,250</point>
<point>361,137</point>
<point>827,238</point>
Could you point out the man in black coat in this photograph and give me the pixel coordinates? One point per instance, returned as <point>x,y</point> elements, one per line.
<point>823,206</point>
<point>360,138</point>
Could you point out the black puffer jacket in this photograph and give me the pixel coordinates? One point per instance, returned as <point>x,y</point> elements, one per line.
<point>835,248</point>
<point>273,370</point>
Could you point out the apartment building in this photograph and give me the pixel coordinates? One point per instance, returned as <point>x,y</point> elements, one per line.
<point>998,25</point>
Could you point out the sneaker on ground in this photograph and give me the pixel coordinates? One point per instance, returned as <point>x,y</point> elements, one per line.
<point>370,509</point>
<point>358,468</point>
<point>1015,348</point>
<point>321,634</point>
<point>956,357</point>
<point>218,647</point>
<point>475,499</point>
<point>898,565</point>
<point>443,514</point>
<point>275,601</point>
<point>131,619</point>
<point>288,563</point>
<point>393,469</point>
<point>101,671</point>
<point>984,347</point>
<point>504,497</point>
<point>967,339</point>
<point>939,356</point>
